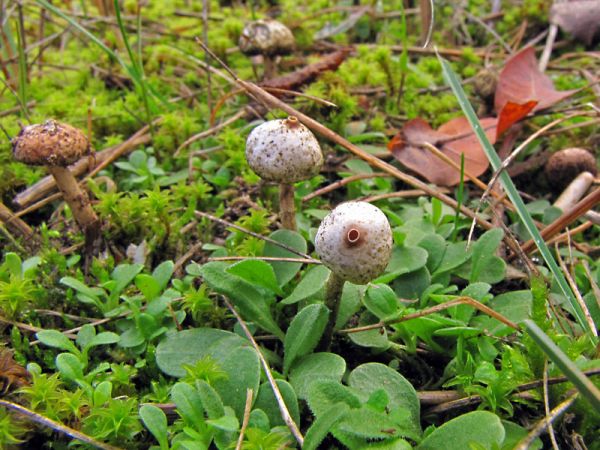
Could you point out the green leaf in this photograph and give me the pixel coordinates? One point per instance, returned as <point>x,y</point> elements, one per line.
<point>156,422</point>
<point>368,378</point>
<point>251,303</point>
<point>404,260</point>
<point>304,333</point>
<point>485,265</point>
<point>189,346</point>
<point>124,274</point>
<point>70,367</point>
<point>148,286</point>
<point>514,433</point>
<point>323,394</point>
<point>454,256</point>
<point>350,303</point>
<point>102,393</point>
<point>313,281</point>
<point>81,288</point>
<point>163,273</point>
<point>210,400</point>
<point>514,305</point>
<point>285,271</point>
<point>225,423</point>
<point>480,427</point>
<point>367,423</point>
<point>243,369</point>
<point>313,367</point>
<point>322,425</point>
<point>512,192</point>
<point>435,245</point>
<point>583,384</point>
<point>258,273</point>
<point>375,338</point>
<point>104,338</point>
<point>266,401</point>
<point>188,403</point>
<point>54,338</point>
<point>381,300</point>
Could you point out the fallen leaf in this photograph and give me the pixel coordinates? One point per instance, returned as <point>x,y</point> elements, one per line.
<point>453,139</point>
<point>12,374</point>
<point>511,113</point>
<point>521,81</point>
<point>581,18</point>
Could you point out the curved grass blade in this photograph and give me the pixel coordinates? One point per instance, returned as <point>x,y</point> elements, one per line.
<point>454,83</point>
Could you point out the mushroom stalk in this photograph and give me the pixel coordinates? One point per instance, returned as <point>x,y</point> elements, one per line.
<point>270,68</point>
<point>333,297</point>
<point>80,206</point>
<point>287,208</point>
<point>77,199</point>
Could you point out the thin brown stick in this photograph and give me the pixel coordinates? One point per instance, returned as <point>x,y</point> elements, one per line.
<point>340,183</point>
<point>265,258</point>
<point>15,224</point>
<point>545,422</point>
<point>238,115</point>
<point>246,419</point>
<point>256,235</point>
<point>568,217</point>
<point>547,405</point>
<point>285,414</point>
<point>56,426</point>
<point>437,308</point>
<point>578,297</point>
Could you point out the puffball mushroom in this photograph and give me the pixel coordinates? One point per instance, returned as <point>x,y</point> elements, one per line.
<point>564,165</point>
<point>284,151</point>
<point>57,145</point>
<point>355,242</point>
<point>268,38</point>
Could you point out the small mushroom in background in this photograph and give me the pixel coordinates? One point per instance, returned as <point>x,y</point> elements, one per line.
<point>268,38</point>
<point>355,242</point>
<point>57,145</point>
<point>284,151</point>
<point>563,166</point>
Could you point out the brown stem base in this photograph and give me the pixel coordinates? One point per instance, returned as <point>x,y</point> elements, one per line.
<point>80,206</point>
<point>333,295</point>
<point>287,208</point>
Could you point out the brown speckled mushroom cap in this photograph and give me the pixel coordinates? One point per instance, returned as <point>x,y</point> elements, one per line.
<point>50,144</point>
<point>284,151</point>
<point>266,37</point>
<point>564,165</point>
<point>355,242</point>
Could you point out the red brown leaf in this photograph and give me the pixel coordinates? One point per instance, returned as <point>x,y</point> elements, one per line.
<point>453,139</point>
<point>521,81</point>
<point>511,113</point>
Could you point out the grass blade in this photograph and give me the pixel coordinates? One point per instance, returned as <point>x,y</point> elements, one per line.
<point>131,69</point>
<point>453,81</point>
<point>587,389</point>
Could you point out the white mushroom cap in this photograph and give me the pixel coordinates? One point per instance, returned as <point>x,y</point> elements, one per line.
<point>266,37</point>
<point>355,242</point>
<point>284,151</point>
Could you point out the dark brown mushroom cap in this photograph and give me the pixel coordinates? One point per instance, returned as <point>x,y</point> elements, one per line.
<point>564,165</point>
<point>266,37</point>
<point>50,144</point>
